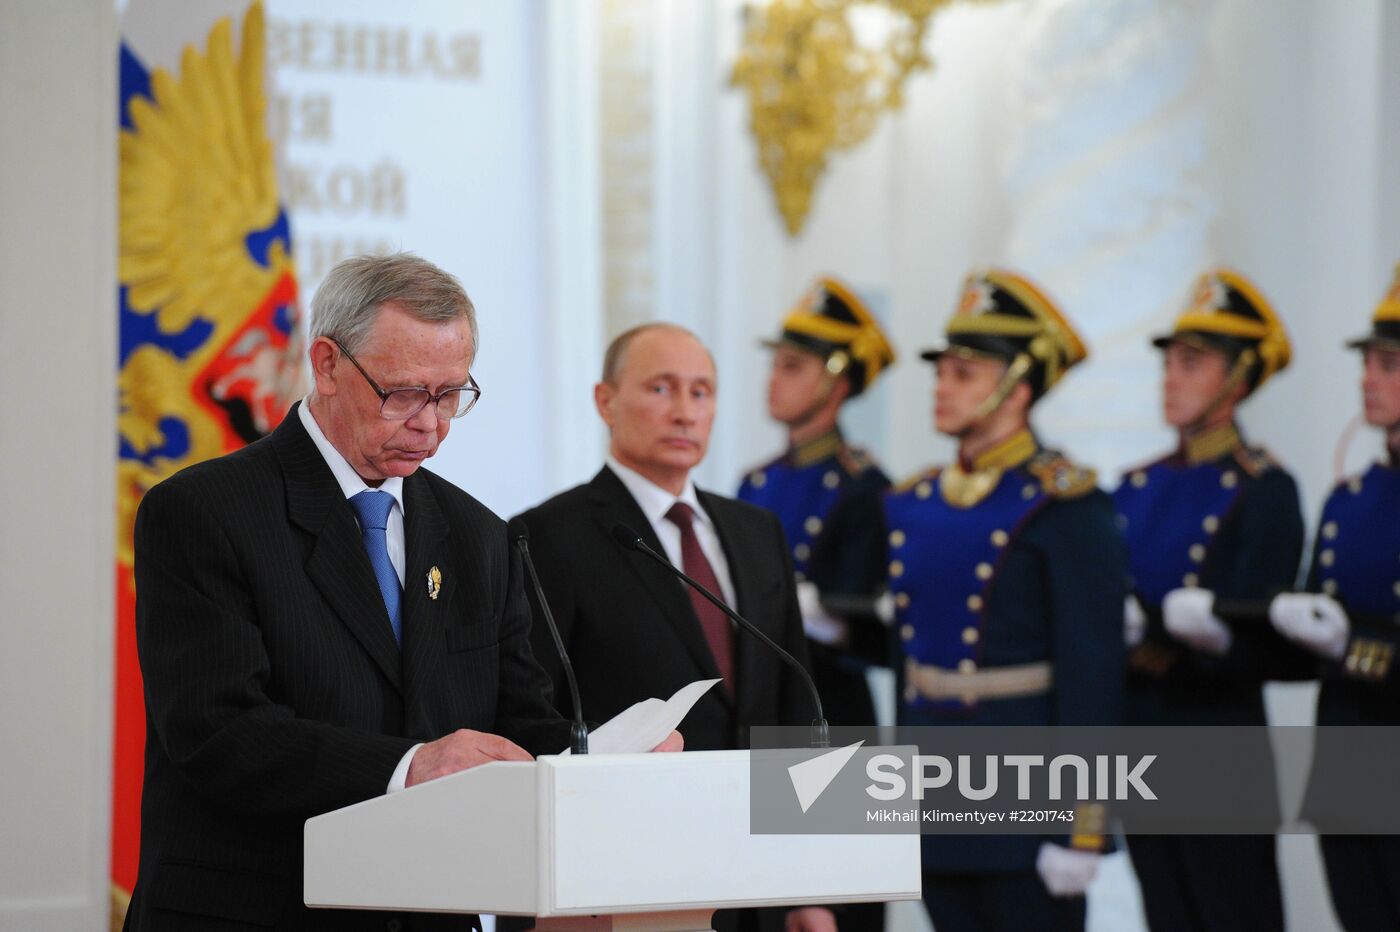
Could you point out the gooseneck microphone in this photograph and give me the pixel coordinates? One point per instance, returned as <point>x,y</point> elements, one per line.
<point>631,540</point>
<point>519,535</point>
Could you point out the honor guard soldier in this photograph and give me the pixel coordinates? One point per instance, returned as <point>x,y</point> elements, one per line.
<point>1003,567</point>
<point>1214,521</point>
<point>824,492</point>
<point>830,350</point>
<point>1349,619</point>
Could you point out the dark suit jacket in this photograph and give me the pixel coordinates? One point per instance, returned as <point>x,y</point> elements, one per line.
<point>274,689</point>
<point>629,625</point>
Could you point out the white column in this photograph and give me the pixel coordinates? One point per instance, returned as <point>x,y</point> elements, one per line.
<point>573,205</point>
<point>58,358</point>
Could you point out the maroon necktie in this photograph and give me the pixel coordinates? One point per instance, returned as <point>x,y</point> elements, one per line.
<point>713,622</point>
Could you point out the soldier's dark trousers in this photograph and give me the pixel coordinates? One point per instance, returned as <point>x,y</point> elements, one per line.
<point>1011,902</point>
<point>1363,876</point>
<point>1208,883</point>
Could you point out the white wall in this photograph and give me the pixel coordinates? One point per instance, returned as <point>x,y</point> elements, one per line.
<point>58,100</point>
<point>1301,123</point>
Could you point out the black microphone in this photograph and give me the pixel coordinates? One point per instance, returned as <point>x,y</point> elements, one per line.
<point>519,535</point>
<point>631,540</point>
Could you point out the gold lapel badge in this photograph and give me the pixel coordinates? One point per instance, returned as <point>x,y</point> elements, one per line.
<point>434,582</point>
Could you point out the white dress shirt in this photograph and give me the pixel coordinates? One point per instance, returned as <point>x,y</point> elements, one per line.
<point>351,484</point>
<point>656,501</point>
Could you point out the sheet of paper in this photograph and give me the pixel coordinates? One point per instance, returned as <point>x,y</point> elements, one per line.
<point>646,724</point>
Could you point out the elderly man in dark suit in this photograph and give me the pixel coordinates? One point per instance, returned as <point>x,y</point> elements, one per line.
<point>321,621</point>
<point>632,630</point>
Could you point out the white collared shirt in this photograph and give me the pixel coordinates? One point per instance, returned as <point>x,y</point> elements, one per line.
<point>351,484</point>
<point>656,501</point>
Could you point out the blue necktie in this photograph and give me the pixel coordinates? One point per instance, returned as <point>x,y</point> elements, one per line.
<point>372,508</point>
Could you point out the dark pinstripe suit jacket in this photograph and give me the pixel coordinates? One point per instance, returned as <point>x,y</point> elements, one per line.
<point>630,628</point>
<point>274,689</point>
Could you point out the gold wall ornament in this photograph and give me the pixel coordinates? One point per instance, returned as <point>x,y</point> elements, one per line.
<point>814,89</point>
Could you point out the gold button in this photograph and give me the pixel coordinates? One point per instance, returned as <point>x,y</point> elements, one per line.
<point>974,603</point>
<point>1197,553</point>
<point>1138,479</point>
<point>1327,558</point>
<point>984,571</point>
<point>999,538</point>
<point>1329,530</point>
<point>812,525</point>
<point>1355,486</point>
<point>1190,580</point>
<point>1329,586</point>
<point>923,489</point>
<point>896,568</point>
<point>902,600</point>
<point>1028,492</point>
<point>757,479</point>
<point>970,635</point>
<point>907,632</point>
<point>1211,524</point>
<point>802,551</point>
<point>1229,480</point>
<point>967,666</point>
<point>831,480</point>
<point>896,538</point>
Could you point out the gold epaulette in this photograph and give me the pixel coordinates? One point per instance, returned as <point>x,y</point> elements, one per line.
<point>1060,478</point>
<point>855,460</point>
<point>929,475</point>
<point>1368,659</point>
<point>1255,460</point>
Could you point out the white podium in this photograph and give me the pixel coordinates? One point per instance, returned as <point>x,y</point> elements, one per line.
<point>620,841</point>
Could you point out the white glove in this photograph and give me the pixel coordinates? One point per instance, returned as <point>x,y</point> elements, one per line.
<point>1315,621</point>
<point>1064,871</point>
<point>820,627</point>
<point>1134,622</point>
<point>1187,615</point>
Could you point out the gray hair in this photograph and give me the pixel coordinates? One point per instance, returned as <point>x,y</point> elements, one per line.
<point>345,306</point>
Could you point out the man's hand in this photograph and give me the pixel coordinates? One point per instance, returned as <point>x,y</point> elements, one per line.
<point>461,750</point>
<point>1316,622</point>
<point>1187,615</point>
<point>810,919</point>
<point>1134,622</point>
<point>819,626</point>
<point>673,742</point>
<point>1064,871</point>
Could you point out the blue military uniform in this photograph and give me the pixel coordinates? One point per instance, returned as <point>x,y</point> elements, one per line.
<point>822,491</point>
<point>1356,561</point>
<point>1223,516</point>
<point>1008,604</point>
<point>838,547</point>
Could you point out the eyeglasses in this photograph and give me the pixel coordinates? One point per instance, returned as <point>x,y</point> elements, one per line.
<point>403,403</point>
